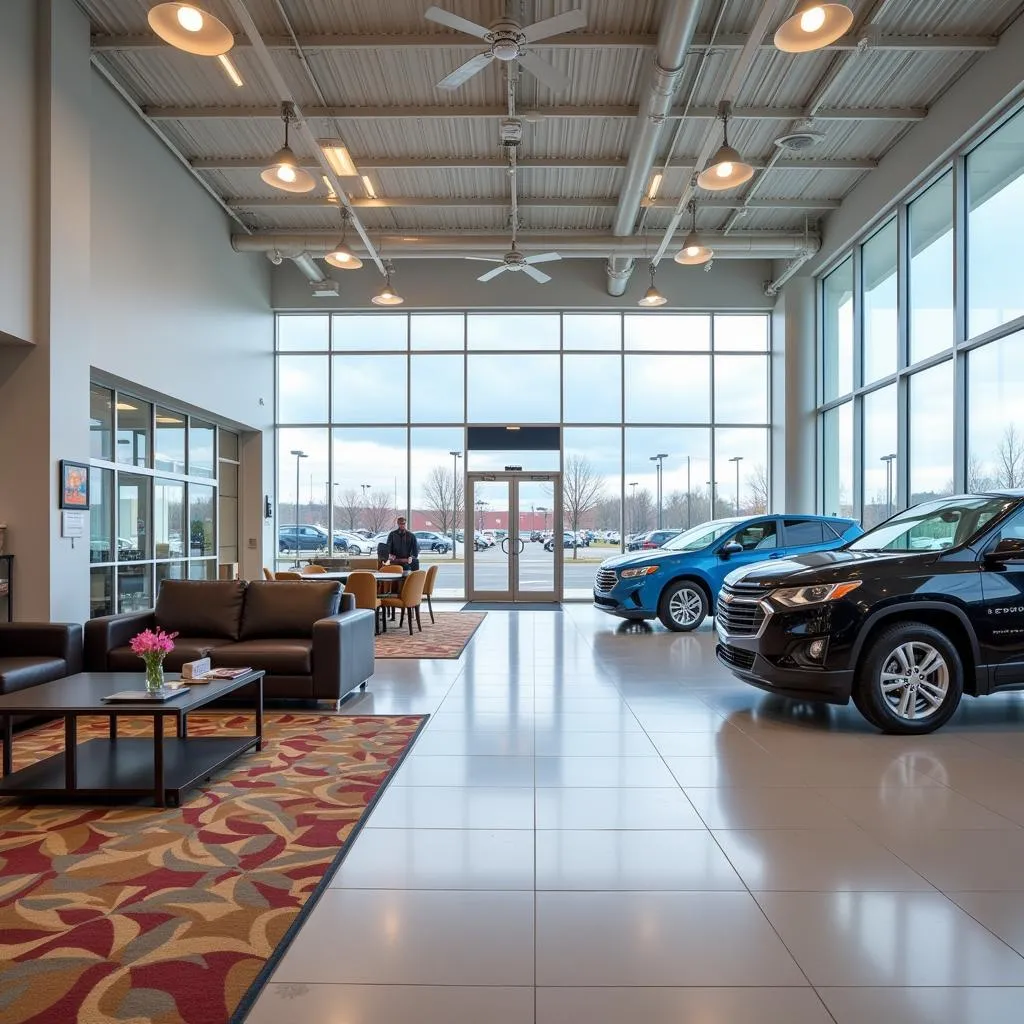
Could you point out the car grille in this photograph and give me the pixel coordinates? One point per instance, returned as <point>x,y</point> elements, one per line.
<point>740,616</point>
<point>735,657</point>
<point>606,601</point>
<point>606,579</point>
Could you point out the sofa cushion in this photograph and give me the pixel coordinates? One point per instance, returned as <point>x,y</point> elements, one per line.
<point>21,673</point>
<point>123,659</point>
<point>289,657</point>
<point>201,607</point>
<point>287,609</point>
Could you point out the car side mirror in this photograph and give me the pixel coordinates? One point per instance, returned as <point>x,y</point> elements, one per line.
<point>731,548</point>
<point>1009,549</point>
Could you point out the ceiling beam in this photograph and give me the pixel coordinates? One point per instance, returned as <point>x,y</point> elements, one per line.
<point>432,112</point>
<point>497,202</point>
<point>584,40</point>
<point>525,163</point>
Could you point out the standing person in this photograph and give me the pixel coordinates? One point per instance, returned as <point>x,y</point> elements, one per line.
<point>403,548</point>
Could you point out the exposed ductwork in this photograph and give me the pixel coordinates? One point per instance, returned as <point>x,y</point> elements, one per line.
<point>678,24</point>
<point>755,245</point>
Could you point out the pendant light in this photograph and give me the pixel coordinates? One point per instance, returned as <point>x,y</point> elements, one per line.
<point>652,297</point>
<point>283,170</point>
<point>726,168</point>
<point>341,256</point>
<point>812,26</point>
<point>694,252</point>
<point>190,29</point>
<point>387,296</point>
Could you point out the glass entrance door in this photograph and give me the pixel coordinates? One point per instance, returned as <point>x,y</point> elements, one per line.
<point>510,556</point>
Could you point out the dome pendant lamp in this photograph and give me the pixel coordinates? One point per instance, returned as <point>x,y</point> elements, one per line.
<point>813,26</point>
<point>387,296</point>
<point>283,171</point>
<point>190,29</point>
<point>652,297</point>
<point>341,256</point>
<point>726,168</point>
<point>694,252</point>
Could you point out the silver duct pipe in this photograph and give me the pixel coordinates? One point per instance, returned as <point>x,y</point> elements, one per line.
<point>678,24</point>
<point>309,267</point>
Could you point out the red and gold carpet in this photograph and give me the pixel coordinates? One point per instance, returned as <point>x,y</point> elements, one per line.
<point>178,915</point>
<point>445,638</point>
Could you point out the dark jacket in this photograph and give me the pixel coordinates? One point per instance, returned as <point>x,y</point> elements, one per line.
<point>404,545</point>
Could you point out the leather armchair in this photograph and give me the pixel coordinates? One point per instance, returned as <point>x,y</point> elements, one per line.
<point>343,649</point>
<point>108,632</point>
<point>38,652</point>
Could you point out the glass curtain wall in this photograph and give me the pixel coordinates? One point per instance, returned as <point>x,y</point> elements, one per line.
<point>153,499</point>
<point>372,411</point>
<point>921,338</point>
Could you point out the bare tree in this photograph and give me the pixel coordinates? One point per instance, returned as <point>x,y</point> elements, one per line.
<point>582,489</point>
<point>607,514</point>
<point>350,507</point>
<point>977,476</point>
<point>675,510</point>
<point>757,483</point>
<point>443,499</point>
<point>1010,458</point>
<point>639,511</point>
<point>378,510</point>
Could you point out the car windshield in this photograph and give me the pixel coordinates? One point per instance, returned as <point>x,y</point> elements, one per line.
<point>934,525</point>
<point>701,536</point>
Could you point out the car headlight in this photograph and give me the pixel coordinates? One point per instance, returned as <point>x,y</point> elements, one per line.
<point>801,597</point>
<point>643,570</point>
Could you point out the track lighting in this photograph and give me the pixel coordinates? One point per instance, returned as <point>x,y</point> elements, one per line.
<point>652,297</point>
<point>387,296</point>
<point>283,171</point>
<point>726,169</point>
<point>341,256</point>
<point>812,26</point>
<point>190,29</point>
<point>694,252</point>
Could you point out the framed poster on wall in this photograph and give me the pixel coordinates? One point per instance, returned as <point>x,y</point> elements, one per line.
<point>74,485</point>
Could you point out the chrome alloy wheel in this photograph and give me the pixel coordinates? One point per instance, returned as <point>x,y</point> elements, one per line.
<point>915,680</point>
<point>686,607</point>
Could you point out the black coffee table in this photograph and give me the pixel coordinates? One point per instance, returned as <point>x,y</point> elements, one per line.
<point>126,767</point>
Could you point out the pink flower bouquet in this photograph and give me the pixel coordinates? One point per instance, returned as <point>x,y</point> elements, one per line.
<point>152,646</point>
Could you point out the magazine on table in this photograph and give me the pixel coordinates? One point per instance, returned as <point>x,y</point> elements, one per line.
<point>220,673</point>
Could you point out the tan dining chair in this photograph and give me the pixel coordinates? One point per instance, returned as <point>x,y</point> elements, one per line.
<point>389,587</point>
<point>408,600</point>
<point>396,570</point>
<point>428,589</point>
<point>287,574</point>
<point>312,570</point>
<point>363,563</point>
<point>267,574</point>
<point>362,585</point>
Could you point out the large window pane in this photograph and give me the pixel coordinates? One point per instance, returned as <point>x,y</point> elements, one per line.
<point>668,389</point>
<point>686,470</point>
<point>168,518</point>
<point>593,480</point>
<point>303,333</point>
<point>437,331</point>
<point>513,331</point>
<point>514,388</point>
<point>101,592</point>
<point>880,465</point>
<point>741,389</point>
<point>304,475</point>
<point>370,331</point>
<point>101,515</point>
<point>101,423</point>
<point>995,229</point>
<point>134,535</point>
<point>438,498</point>
<point>746,450</point>
<point>931,270</point>
<point>837,330</point>
<point>301,389</point>
<point>370,389</point>
<point>436,384</point>
<point>169,446</point>
<point>135,588</point>
<point>931,433</point>
<point>592,386</point>
<point>838,461</point>
<point>741,333</point>
<point>201,517</point>
<point>202,455</point>
<point>133,419</point>
<point>592,331</point>
<point>995,414</point>
<point>667,332</point>
<point>880,320</point>
<point>370,471</point>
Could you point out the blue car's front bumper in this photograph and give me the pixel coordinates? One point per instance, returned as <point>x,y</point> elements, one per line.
<point>631,599</point>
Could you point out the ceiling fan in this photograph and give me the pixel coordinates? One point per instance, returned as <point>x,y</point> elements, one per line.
<point>507,40</point>
<point>514,260</point>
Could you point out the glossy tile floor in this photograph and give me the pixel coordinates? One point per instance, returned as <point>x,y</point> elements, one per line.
<point>601,826</point>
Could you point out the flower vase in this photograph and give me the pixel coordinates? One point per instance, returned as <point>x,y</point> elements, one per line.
<point>154,674</point>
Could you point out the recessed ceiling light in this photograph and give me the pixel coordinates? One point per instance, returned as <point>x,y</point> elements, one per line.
<point>191,29</point>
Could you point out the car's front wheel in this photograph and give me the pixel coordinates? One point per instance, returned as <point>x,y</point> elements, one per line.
<point>911,680</point>
<point>683,606</point>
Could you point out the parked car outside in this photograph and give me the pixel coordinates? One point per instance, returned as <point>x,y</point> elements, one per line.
<point>431,541</point>
<point>536,535</point>
<point>679,583</point>
<point>634,541</point>
<point>656,539</point>
<point>301,538</point>
<point>903,620</point>
<point>352,543</point>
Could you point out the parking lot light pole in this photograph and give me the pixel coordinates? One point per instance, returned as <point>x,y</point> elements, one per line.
<point>455,499</point>
<point>299,455</point>
<point>888,460</point>
<point>660,460</point>
<point>634,516</point>
<point>687,491</point>
<point>737,459</point>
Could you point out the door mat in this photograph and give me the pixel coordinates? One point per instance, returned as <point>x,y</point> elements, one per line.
<point>510,606</point>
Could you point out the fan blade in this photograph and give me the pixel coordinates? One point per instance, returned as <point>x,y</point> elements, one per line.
<point>554,26</point>
<point>443,17</point>
<point>491,274</point>
<point>483,259</point>
<point>465,71</point>
<point>543,257</point>
<point>547,75</point>
<point>538,275</point>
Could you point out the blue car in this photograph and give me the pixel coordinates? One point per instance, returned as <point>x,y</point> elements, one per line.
<point>679,582</point>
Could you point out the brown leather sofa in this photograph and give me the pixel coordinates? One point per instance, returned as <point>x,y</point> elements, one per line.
<point>38,652</point>
<point>309,638</point>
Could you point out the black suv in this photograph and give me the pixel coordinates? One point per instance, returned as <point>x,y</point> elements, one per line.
<point>905,619</point>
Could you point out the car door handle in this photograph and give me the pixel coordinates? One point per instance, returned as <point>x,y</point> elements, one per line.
<point>777,554</point>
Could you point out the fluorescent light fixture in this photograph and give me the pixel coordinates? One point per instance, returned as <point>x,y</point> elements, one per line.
<point>127,407</point>
<point>652,192</point>
<point>368,185</point>
<point>338,157</point>
<point>230,70</point>
<point>512,428</point>
<point>813,26</point>
<point>191,29</point>
<point>332,196</point>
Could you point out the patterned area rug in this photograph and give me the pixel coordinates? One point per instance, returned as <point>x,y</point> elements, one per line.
<point>445,638</point>
<point>178,916</point>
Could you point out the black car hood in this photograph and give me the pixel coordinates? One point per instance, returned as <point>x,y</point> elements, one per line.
<point>826,567</point>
